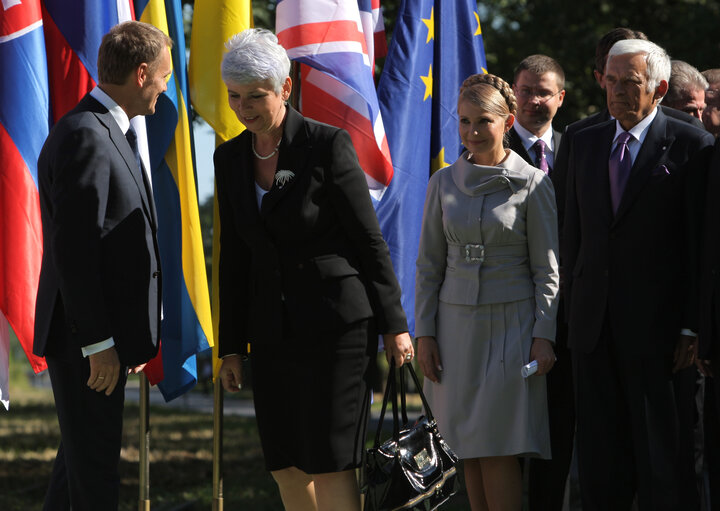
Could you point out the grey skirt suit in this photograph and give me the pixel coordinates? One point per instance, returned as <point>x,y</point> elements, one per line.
<point>486,284</point>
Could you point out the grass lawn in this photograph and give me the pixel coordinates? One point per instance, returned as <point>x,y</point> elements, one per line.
<point>181,457</point>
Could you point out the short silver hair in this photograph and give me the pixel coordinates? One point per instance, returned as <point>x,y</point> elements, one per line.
<point>254,55</point>
<point>684,79</point>
<point>656,58</point>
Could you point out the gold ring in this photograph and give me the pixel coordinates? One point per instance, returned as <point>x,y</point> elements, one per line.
<point>101,377</point>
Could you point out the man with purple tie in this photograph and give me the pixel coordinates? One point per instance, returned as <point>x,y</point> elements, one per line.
<point>538,87</point>
<point>633,211</point>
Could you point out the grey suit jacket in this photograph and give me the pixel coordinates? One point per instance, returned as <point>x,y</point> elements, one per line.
<point>489,235</point>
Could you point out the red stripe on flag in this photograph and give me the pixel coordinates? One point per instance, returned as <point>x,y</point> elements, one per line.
<point>319,105</point>
<point>154,368</point>
<point>68,78</point>
<point>21,242</point>
<point>327,32</point>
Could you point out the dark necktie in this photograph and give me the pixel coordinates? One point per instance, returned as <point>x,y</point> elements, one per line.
<point>619,167</point>
<point>131,136</point>
<point>540,158</point>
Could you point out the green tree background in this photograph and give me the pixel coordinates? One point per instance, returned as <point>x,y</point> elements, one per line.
<point>567,31</point>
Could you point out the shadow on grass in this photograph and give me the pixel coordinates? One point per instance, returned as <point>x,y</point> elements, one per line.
<point>180,456</point>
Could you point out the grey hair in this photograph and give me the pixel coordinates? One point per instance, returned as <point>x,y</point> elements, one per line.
<point>683,80</point>
<point>254,55</point>
<point>712,75</point>
<point>657,59</point>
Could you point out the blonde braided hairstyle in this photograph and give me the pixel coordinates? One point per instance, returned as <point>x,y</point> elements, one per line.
<point>490,93</point>
<point>480,90</point>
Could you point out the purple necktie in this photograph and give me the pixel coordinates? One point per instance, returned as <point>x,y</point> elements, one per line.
<point>619,167</point>
<point>540,158</point>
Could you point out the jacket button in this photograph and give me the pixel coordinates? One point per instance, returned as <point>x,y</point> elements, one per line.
<point>156,274</point>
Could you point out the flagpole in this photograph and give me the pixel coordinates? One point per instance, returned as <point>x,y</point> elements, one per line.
<point>217,446</point>
<point>144,444</point>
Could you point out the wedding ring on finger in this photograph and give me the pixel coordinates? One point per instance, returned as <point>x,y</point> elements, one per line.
<point>408,357</point>
<point>101,377</point>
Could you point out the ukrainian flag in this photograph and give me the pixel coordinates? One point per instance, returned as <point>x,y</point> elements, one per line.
<point>214,22</point>
<point>187,324</point>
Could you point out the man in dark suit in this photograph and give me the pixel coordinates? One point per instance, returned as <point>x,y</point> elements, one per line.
<point>538,85</point>
<point>559,177</point>
<point>630,243</point>
<point>98,302</point>
<point>686,93</point>
<point>709,328</point>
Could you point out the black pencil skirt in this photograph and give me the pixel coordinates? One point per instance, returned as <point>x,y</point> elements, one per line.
<point>312,398</point>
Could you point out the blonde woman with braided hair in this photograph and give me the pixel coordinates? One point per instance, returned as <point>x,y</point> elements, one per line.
<point>486,299</point>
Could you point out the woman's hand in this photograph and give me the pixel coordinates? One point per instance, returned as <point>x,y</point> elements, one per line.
<point>542,351</point>
<point>231,373</point>
<point>398,347</point>
<point>429,358</point>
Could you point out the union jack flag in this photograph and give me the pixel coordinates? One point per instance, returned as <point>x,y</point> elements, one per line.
<point>328,37</point>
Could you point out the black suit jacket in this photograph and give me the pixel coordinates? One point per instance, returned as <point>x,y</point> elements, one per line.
<point>516,144</point>
<point>709,329</point>
<point>100,274</point>
<point>313,252</point>
<point>635,266</point>
<point>559,174</point>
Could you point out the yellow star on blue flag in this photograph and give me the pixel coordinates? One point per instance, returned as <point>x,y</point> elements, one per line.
<point>436,45</point>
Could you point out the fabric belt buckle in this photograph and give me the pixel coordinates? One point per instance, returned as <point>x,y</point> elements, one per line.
<point>474,253</point>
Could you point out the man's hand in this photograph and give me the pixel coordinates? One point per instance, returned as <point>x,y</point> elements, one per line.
<point>428,356</point>
<point>542,351</point>
<point>231,373</point>
<point>399,347</point>
<point>104,370</point>
<point>685,351</point>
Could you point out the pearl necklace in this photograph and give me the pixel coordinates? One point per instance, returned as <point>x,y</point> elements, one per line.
<point>274,151</point>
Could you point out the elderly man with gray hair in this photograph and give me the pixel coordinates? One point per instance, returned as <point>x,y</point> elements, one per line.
<point>631,238</point>
<point>686,91</point>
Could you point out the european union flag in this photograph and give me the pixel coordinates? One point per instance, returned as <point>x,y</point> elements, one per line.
<point>436,45</point>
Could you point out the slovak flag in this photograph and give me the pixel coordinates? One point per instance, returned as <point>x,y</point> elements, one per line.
<point>24,124</point>
<point>328,37</point>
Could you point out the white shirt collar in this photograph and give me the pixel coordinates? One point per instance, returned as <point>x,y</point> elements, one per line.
<point>640,130</point>
<point>528,139</point>
<point>116,110</point>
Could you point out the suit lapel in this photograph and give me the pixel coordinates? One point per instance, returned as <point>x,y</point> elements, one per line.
<point>516,145</point>
<point>652,151</point>
<point>599,180</point>
<point>293,153</point>
<point>118,139</point>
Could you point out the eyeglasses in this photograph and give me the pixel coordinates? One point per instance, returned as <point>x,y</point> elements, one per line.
<point>542,95</point>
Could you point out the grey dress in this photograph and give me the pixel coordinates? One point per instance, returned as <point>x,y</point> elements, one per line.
<point>486,284</point>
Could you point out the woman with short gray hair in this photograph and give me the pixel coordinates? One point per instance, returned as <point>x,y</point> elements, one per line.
<point>306,281</point>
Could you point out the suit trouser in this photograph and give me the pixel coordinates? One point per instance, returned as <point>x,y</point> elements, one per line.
<point>85,473</point>
<point>685,388</point>
<point>548,477</point>
<point>627,433</point>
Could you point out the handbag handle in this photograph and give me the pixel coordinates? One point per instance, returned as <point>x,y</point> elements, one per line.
<point>391,392</point>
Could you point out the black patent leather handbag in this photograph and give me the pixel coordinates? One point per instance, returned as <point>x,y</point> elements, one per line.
<point>415,469</point>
